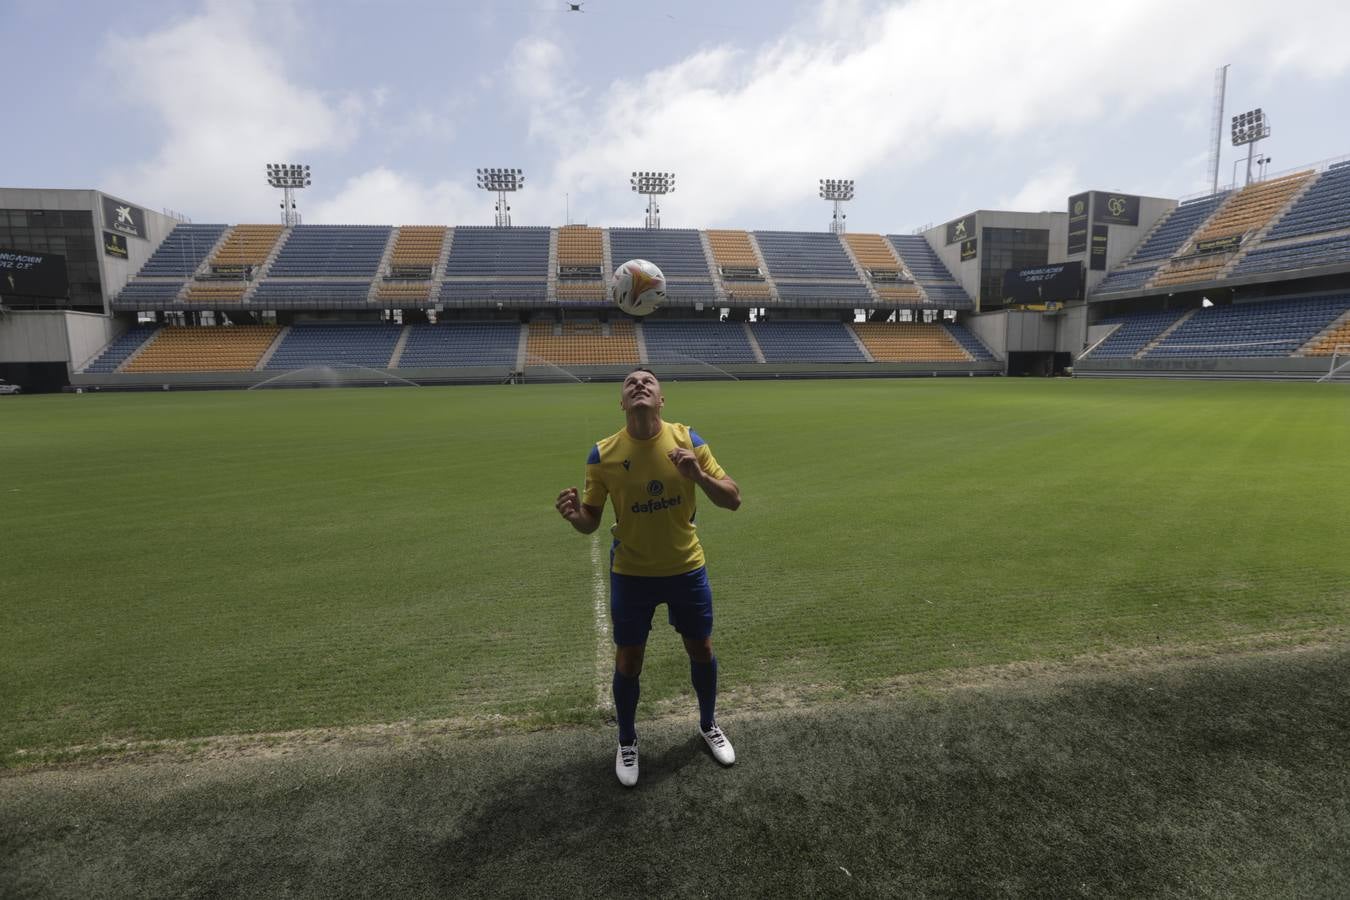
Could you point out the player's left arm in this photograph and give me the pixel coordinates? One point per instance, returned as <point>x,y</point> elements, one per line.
<point>719,487</point>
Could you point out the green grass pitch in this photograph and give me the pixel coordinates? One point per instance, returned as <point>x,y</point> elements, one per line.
<point>190,564</point>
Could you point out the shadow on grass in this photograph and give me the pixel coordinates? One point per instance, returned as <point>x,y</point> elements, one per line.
<point>1221,778</point>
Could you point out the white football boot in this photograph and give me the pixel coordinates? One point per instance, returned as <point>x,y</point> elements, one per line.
<point>626,764</point>
<point>719,745</point>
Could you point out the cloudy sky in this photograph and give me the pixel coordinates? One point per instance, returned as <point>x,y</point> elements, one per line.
<point>934,107</point>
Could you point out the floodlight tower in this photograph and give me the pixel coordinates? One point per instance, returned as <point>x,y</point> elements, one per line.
<point>503,182</point>
<point>653,184</point>
<point>1248,128</point>
<point>289,177</point>
<point>837,190</point>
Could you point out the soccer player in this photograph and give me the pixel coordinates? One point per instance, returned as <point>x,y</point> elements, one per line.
<point>649,470</point>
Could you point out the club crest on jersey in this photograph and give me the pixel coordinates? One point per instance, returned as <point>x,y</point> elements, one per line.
<point>655,488</point>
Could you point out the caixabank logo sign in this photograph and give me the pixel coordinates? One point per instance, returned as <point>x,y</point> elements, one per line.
<point>123,218</point>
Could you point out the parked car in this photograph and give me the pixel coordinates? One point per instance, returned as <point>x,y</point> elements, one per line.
<point>8,388</point>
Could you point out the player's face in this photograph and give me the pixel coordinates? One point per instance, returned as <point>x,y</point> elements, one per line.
<point>641,390</point>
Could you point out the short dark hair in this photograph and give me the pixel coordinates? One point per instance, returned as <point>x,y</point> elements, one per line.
<point>642,369</point>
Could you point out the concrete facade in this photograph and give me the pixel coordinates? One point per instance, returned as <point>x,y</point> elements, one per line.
<point>114,273</point>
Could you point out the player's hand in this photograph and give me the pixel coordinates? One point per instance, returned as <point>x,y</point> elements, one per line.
<point>686,462</point>
<point>569,505</point>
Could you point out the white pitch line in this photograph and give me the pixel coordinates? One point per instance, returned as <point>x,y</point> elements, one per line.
<point>604,654</point>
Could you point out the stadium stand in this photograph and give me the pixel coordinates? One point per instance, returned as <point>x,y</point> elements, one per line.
<point>412,264</point>
<point>147,294</point>
<point>753,291</point>
<point>948,296</point>
<point>582,343</point>
<point>461,344</point>
<point>806,342</point>
<point>919,258</point>
<point>182,251</point>
<point>121,347</point>
<point>732,248</point>
<point>967,339</point>
<point>1127,280</point>
<point>1175,229</point>
<point>1335,340</point>
<point>1291,257</point>
<point>491,251</point>
<point>331,251</point>
<point>805,254</point>
<point>1268,328</point>
<point>1135,333</point>
<point>216,292</point>
<point>677,252</point>
<point>936,281</point>
<point>417,248</point>
<point>194,349</point>
<point>299,294</point>
<point>909,342</point>
<point>879,260</point>
<point>336,344</point>
<point>1248,211</point>
<point>475,292</point>
<point>1325,207</point>
<point>247,246</point>
<point>713,342</point>
<point>395,293</point>
<point>581,260</point>
<point>824,293</point>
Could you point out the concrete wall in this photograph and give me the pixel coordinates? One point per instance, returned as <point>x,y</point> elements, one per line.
<point>1072,333</point>
<point>992,329</point>
<point>54,335</point>
<point>114,273</point>
<point>1031,332</point>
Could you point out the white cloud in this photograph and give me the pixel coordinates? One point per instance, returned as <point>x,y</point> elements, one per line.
<point>862,90</point>
<point>1046,190</point>
<point>394,198</point>
<point>226,107</point>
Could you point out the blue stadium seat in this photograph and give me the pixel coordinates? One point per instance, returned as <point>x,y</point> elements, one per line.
<point>336,344</point>
<point>677,252</point>
<point>1267,328</point>
<point>120,348</point>
<point>967,339</point>
<point>485,251</point>
<point>707,341</point>
<point>147,295</point>
<point>275,293</point>
<point>811,255</point>
<point>461,344</point>
<point>1176,228</point>
<point>182,251</point>
<point>1134,333</point>
<point>806,342</point>
<point>1325,207</point>
<point>331,251</point>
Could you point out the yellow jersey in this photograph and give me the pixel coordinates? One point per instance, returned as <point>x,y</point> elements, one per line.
<point>654,505</point>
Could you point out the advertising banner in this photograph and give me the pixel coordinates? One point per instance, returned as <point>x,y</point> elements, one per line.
<point>123,218</point>
<point>1078,223</point>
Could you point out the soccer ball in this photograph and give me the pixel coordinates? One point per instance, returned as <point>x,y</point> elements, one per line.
<point>638,288</point>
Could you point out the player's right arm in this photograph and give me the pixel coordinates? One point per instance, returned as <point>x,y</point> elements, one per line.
<point>583,518</point>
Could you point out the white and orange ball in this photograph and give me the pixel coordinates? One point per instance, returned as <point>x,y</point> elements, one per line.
<point>638,288</point>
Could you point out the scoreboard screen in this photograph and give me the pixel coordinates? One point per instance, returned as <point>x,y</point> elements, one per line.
<point>1042,284</point>
<point>24,273</point>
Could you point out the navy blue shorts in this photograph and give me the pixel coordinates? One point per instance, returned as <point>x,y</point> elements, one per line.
<point>633,600</point>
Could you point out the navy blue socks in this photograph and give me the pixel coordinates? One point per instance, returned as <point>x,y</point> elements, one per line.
<point>625,706</point>
<point>704,677</point>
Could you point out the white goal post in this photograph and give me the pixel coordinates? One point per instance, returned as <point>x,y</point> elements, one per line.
<point>1340,365</point>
